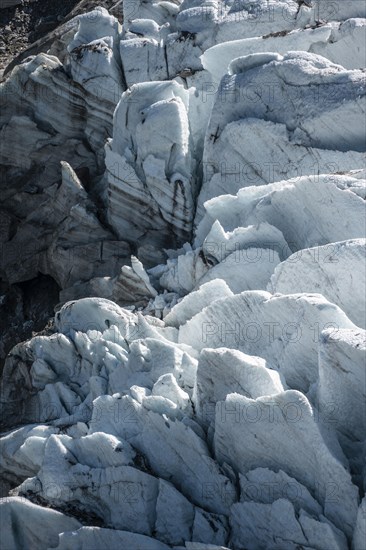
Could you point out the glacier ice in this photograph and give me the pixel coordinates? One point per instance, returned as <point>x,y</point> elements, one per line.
<point>287,417</point>
<point>41,528</point>
<point>193,179</point>
<point>327,268</point>
<point>344,394</point>
<point>283,329</point>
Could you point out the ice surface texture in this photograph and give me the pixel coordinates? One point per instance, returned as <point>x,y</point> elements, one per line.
<point>204,387</point>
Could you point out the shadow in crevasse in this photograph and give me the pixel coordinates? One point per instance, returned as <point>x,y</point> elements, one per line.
<point>26,308</point>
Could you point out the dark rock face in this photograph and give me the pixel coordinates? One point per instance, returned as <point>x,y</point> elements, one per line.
<point>23,22</point>
<point>27,26</point>
<point>25,309</point>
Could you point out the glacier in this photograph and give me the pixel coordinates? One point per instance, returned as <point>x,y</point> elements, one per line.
<point>192,176</point>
